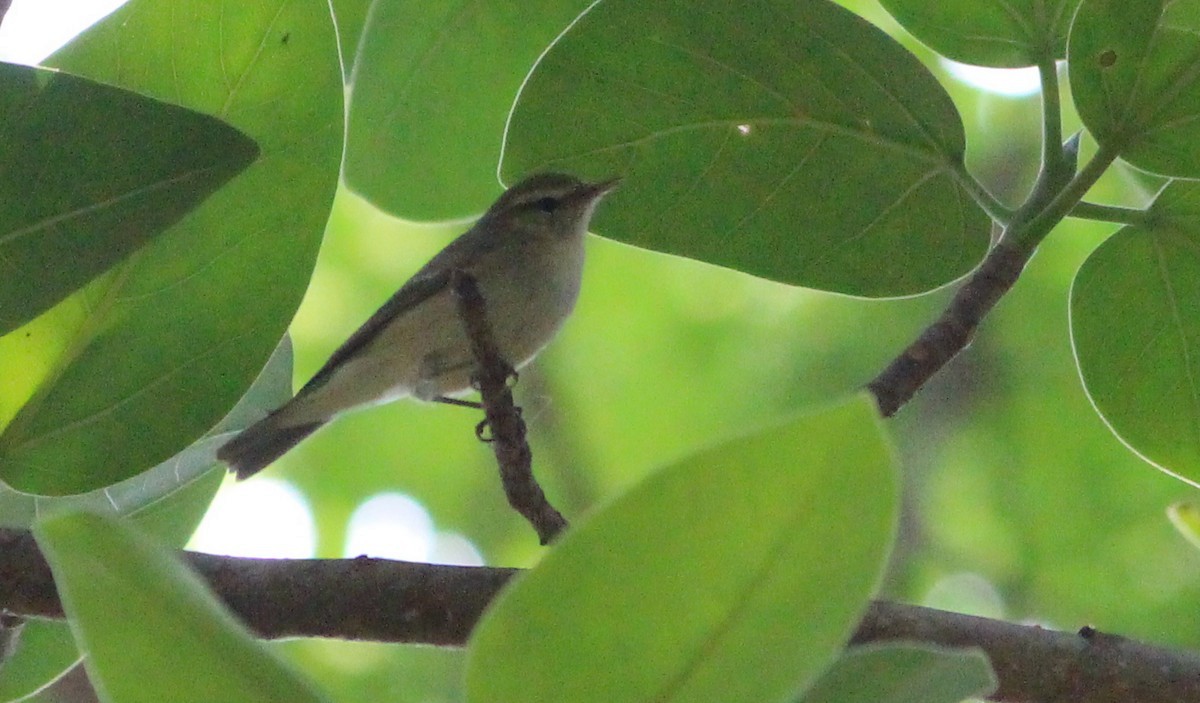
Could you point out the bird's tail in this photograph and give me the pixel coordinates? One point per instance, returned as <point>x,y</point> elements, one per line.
<point>262,443</point>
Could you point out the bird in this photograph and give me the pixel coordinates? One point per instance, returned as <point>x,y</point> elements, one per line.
<point>526,255</point>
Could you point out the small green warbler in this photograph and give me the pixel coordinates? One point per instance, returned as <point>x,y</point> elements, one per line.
<point>526,255</point>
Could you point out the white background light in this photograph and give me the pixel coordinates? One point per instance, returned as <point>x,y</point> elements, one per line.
<point>33,29</point>
<point>265,517</point>
<point>396,526</point>
<point>1010,82</point>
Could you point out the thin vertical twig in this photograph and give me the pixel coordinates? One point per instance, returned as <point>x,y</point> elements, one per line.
<point>501,414</point>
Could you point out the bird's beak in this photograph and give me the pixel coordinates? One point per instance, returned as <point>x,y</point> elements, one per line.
<point>595,191</point>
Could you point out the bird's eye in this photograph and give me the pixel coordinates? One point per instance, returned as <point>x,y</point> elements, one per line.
<point>547,204</point>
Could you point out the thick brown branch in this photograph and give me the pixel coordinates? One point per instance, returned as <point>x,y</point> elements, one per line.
<point>355,599</point>
<point>390,601</point>
<point>1036,664</point>
<point>950,333</point>
<point>503,417</point>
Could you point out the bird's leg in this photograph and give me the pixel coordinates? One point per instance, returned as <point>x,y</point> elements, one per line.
<point>483,426</point>
<point>510,379</point>
<point>459,402</point>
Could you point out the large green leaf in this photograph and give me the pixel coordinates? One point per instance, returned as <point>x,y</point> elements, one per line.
<point>431,90</point>
<point>903,673</point>
<point>1135,77</point>
<point>91,173</point>
<point>1135,322</point>
<point>167,501</point>
<point>1002,33</point>
<point>735,575</point>
<point>351,18</point>
<point>177,491</point>
<point>788,139</point>
<point>144,360</point>
<point>151,629</point>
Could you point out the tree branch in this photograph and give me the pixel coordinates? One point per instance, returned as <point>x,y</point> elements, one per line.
<point>1057,191</point>
<point>392,601</point>
<point>503,417</point>
<point>356,599</point>
<point>1036,664</point>
<point>950,333</point>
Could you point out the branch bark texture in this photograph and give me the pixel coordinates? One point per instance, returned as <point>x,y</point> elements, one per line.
<point>952,332</point>
<point>503,417</point>
<point>402,602</point>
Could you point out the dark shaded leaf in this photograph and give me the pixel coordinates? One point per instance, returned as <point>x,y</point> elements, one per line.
<point>133,368</point>
<point>1001,33</point>
<point>790,140</point>
<point>91,173</point>
<point>431,92</point>
<point>1135,77</point>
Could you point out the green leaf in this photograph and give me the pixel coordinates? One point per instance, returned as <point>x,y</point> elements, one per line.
<point>904,673</point>
<point>1135,68</point>
<point>167,501</point>
<point>790,140</point>
<point>130,370</point>
<point>351,18</point>
<point>1004,34</point>
<point>44,653</point>
<point>1185,516</point>
<point>170,499</point>
<point>151,629</point>
<point>431,91</point>
<point>92,173</point>
<point>272,388</point>
<point>1135,322</point>
<point>735,575</point>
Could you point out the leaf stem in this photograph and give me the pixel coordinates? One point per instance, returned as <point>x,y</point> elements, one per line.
<point>1025,236</point>
<point>995,209</point>
<point>1051,115</point>
<point>1052,198</point>
<point>1108,213</point>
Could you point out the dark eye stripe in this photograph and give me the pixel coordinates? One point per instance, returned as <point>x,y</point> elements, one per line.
<point>547,204</point>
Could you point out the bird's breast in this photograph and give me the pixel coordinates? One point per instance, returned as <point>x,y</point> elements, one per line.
<point>528,301</point>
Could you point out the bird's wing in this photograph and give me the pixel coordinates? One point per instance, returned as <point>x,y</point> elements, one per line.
<point>426,283</point>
